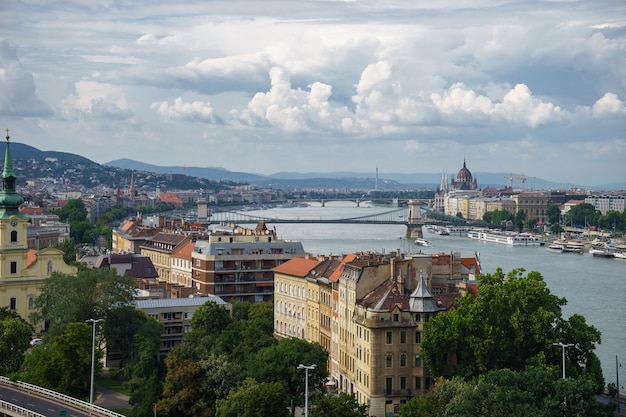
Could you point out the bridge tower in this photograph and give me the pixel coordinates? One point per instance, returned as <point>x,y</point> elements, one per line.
<point>414,223</point>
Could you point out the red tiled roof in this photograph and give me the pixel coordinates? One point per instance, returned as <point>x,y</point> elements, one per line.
<point>184,251</point>
<point>299,267</point>
<point>334,277</point>
<point>471,263</point>
<point>31,210</point>
<point>31,258</point>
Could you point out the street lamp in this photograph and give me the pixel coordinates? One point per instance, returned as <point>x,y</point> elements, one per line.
<point>563,346</point>
<point>93,354</point>
<point>306,386</point>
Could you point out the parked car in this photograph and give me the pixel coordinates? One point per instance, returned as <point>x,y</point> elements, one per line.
<point>36,342</point>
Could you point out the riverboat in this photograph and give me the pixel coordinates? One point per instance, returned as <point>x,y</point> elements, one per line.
<point>505,238</point>
<point>570,246</point>
<point>422,242</point>
<point>620,254</point>
<point>555,248</point>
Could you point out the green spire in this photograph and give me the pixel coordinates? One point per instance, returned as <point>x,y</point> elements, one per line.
<point>10,200</point>
<point>8,163</point>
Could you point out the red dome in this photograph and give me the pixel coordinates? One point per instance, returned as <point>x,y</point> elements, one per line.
<point>464,174</point>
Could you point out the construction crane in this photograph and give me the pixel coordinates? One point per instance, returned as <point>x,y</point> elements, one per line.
<point>512,177</point>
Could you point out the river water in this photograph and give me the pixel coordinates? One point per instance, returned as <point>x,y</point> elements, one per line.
<point>594,287</point>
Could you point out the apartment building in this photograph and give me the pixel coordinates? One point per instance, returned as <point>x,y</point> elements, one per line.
<point>534,204</point>
<point>175,314</point>
<point>160,249</point>
<point>606,203</point>
<point>236,263</point>
<point>371,308</point>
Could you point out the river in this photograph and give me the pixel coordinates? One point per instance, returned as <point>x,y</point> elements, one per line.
<point>594,287</point>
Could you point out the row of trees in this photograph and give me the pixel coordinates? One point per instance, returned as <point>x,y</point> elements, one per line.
<point>579,215</point>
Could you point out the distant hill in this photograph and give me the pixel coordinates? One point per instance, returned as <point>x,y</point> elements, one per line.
<point>349,179</point>
<point>19,151</point>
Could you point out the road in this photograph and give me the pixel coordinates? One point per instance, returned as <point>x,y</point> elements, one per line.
<point>38,404</point>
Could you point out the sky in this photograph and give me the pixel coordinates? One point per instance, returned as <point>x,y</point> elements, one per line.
<point>535,88</point>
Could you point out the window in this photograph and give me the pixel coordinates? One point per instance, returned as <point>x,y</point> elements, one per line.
<point>418,362</point>
<point>403,359</point>
<point>389,360</point>
<point>13,303</point>
<point>418,317</point>
<point>418,337</point>
<point>396,317</point>
<point>13,236</point>
<point>197,262</point>
<point>388,386</point>
<point>418,382</point>
<point>402,382</point>
<point>389,338</point>
<point>403,337</point>
<point>31,301</point>
<point>13,267</point>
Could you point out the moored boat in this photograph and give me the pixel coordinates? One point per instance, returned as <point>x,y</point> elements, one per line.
<point>555,248</point>
<point>573,246</point>
<point>506,238</point>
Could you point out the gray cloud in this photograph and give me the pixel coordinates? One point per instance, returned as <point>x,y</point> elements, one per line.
<point>286,86</point>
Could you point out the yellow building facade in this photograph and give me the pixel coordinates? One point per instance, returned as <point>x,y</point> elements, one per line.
<point>22,271</point>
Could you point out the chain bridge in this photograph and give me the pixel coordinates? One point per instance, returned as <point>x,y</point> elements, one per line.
<point>398,215</point>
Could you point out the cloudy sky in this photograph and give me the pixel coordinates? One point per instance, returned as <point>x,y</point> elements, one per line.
<point>522,86</point>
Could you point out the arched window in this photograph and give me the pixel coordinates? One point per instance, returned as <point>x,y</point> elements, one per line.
<point>13,236</point>
<point>50,267</point>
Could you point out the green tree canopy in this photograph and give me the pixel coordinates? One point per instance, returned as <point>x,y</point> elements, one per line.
<point>144,376</point>
<point>513,322</point>
<point>73,211</point>
<point>279,363</point>
<point>194,384</point>
<point>255,399</point>
<point>65,364</point>
<point>331,405</point>
<point>123,325</point>
<point>15,334</point>
<point>553,214</point>
<point>533,391</point>
<point>91,294</point>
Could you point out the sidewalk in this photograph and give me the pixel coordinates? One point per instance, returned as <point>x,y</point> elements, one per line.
<point>110,400</point>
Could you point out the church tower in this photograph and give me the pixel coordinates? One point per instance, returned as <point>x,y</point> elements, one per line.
<point>22,270</point>
<point>13,224</point>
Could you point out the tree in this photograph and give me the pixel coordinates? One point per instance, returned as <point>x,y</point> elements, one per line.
<point>65,364</point>
<point>207,323</point>
<point>533,391</point>
<point>279,363</point>
<point>68,247</point>
<point>123,325</point>
<point>73,211</point>
<point>584,214</point>
<point>144,376</point>
<point>15,335</point>
<point>342,405</point>
<point>255,399</point>
<point>553,214</point>
<point>519,219</point>
<point>511,323</point>
<point>91,294</point>
<point>194,384</point>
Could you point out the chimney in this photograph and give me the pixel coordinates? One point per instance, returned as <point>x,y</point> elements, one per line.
<point>401,283</point>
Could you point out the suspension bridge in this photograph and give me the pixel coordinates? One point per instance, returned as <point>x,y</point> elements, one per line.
<point>398,215</point>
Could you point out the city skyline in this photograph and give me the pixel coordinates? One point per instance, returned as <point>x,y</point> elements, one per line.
<point>535,88</point>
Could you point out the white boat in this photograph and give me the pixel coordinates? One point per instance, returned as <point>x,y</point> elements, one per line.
<point>422,242</point>
<point>619,254</point>
<point>505,238</point>
<point>555,248</point>
<point>573,246</point>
